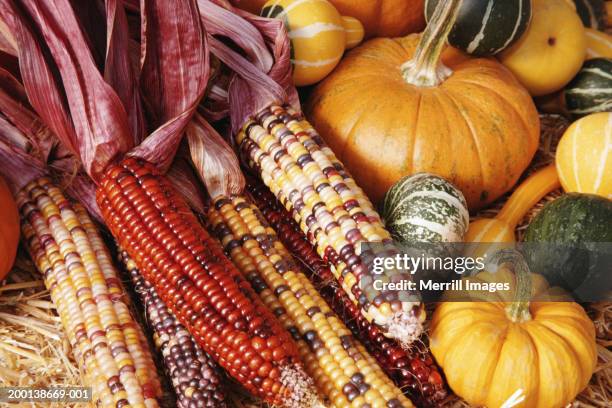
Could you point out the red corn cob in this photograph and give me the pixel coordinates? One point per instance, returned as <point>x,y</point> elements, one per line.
<point>413,370</point>
<point>199,284</point>
<point>195,377</point>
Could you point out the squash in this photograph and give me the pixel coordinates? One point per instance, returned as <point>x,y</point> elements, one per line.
<point>9,229</point>
<point>317,34</point>
<point>591,89</point>
<point>584,156</point>
<point>491,350</point>
<point>353,30</point>
<point>552,49</point>
<point>529,193</point>
<point>486,28</point>
<point>574,223</point>
<point>608,18</point>
<point>381,18</point>
<point>425,208</point>
<point>392,109</point>
<point>599,44</point>
<point>592,13</point>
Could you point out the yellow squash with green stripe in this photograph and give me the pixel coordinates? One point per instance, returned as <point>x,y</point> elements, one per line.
<point>318,33</point>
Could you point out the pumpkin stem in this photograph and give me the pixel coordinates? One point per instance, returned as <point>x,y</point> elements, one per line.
<point>425,68</point>
<point>518,310</point>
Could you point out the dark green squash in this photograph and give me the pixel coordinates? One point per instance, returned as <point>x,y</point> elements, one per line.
<point>568,232</point>
<point>486,27</point>
<point>591,89</point>
<point>592,13</point>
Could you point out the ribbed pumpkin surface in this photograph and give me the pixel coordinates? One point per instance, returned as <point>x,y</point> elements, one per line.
<point>478,129</point>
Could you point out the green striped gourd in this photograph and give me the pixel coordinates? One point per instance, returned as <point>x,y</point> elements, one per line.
<point>486,27</point>
<point>591,89</point>
<point>425,208</point>
<point>592,13</point>
<point>318,35</point>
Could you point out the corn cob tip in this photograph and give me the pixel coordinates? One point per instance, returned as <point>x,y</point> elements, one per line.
<point>303,391</point>
<point>405,326</point>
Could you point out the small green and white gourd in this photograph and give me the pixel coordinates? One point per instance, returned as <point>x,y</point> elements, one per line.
<point>425,208</point>
<point>592,13</point>
<point>591,89</point>
<point>486,27</point>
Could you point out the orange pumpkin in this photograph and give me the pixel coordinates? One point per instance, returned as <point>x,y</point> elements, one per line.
<point>467,120</point>
<point>381,18</point>
<point>9,229</point>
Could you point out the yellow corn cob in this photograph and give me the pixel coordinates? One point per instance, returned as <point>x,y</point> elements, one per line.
<point>341,367</point>
<point>331,210</point>
<point>109,346</point>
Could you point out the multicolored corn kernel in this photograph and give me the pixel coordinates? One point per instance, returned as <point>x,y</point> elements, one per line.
<point>413,369</point>
<point>195,377</point>
<point>109,346</point>
<point>332,211</point>
<point>200,285</point>
<point>347,375</point>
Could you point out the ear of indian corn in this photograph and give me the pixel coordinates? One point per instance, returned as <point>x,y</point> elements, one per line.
<point>109,346</point>
<point>339,364</point>
<point>194,375</point>
<point>332,211</point>
<point>413,369</point>
<point>200,285</point>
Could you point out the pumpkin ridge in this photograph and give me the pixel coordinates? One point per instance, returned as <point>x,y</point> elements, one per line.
<point>414,134</point>
<point>503,98</point>
<point>514,109</point>
<point>350,134</point>
<point>537,357</point>
<point>573,353</point>
<point>575,319</point>
<point>460,109</point>
<point>500,342</point>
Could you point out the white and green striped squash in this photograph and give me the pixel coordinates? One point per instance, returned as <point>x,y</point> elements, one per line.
<point>425,208</point>
<point>486,27</point>
<point>592,13</point>
<point>591,89</point>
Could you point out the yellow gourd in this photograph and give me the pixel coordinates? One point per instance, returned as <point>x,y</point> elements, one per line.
<point>529,193</point>
<point>353,29</point>
<point>489,350</point>
<point>599,44</point>
<point>584,156</point>
<point>552,50</point>
<point>318,34</point>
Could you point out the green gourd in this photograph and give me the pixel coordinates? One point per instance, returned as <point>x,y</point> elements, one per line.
<point>425,208</point>
<point>591,89</point>
<point>486,27</point>
<point>569,232</point>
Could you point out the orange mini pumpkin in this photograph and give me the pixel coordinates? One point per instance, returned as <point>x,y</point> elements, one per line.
<point>381,18</point>
<point>9,229</point>
<point>465,119</point>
